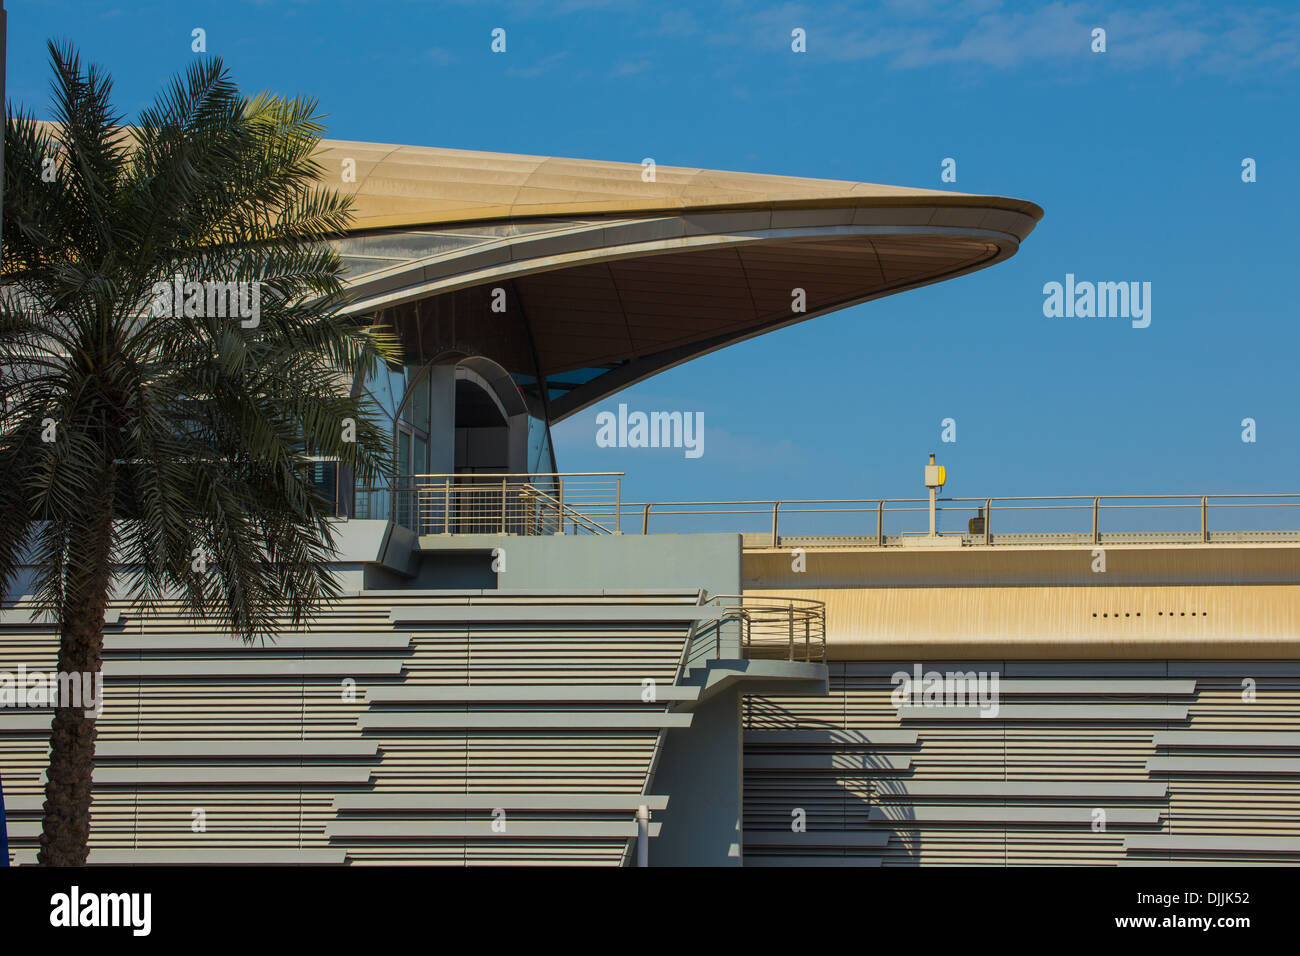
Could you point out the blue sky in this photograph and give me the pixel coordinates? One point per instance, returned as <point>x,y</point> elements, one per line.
<point>1135,155</point>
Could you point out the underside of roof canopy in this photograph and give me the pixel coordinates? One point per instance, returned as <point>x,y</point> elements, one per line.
<point>583,277</point>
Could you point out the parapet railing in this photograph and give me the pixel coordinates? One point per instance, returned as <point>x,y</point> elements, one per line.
<point>592,503</point>
<point>762,627</point>
<point>530,504</point>
<point>1080,519</point>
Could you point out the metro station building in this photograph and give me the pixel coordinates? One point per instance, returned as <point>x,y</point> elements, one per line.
<point>528,668</point>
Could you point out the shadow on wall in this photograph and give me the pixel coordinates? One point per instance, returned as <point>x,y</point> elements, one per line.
<point>816,791</point>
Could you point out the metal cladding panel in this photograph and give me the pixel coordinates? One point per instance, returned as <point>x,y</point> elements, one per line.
<point>1209,776</point>
<point>1188,603</point>
<point>215,751</point>
<point>408,186</point>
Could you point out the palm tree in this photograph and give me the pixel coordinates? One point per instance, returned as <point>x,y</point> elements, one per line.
<point>155,448</point>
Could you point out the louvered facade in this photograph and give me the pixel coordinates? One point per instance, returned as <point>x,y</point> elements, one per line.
<point>1148,715</point>
<point>1084,763</point>
<point>429,727</point>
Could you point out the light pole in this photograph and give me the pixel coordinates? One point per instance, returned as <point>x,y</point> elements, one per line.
<point>935,476</point>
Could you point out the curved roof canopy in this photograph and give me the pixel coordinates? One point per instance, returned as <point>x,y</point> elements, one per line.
<point>607,278</point>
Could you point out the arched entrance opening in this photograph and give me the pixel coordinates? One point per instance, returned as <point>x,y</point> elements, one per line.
<point>482,430</point>
<point>489,418</point>
<point>459,421</point>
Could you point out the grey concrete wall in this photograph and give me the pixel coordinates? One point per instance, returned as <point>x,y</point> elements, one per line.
<point>701,771</point>
<point>700,768</point>
<point>373,554</point>
<point>708,561</point>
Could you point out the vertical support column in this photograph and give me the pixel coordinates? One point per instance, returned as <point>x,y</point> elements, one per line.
<point>559,482</point>
<point>643,835</point>
<point>703,769</point>
<point>442,419</point>
<point>442,437</point>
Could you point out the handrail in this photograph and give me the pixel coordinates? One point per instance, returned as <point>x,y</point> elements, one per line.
<point>497,502</point>
<point>772,626</point>
<point>563,509</point>
<point>594,503</point>
<point>784,509</point>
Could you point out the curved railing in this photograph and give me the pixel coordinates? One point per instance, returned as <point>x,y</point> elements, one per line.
<point>766,627</point>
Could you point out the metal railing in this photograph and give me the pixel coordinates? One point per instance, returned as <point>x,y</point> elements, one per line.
<point>762,627</point>
<point>1081,519</point>
<point>553,503</point>
<point>592,503</point>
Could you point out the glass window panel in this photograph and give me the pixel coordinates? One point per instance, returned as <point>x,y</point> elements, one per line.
<point>539,447</point>
<point>417,407</point>
<point>404,453</point>
<point>420,458</point>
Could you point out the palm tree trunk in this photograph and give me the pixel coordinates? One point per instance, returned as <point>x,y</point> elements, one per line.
<point>65,828</point>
